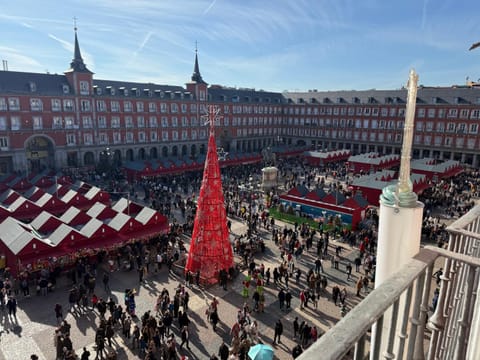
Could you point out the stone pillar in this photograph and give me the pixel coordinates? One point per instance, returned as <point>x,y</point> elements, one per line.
<point>474,339</point>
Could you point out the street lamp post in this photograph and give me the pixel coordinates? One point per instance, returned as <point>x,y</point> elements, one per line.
<point>324,213</point>
<point>106,162</point>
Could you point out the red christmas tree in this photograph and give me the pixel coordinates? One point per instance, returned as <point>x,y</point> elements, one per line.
<point>210,248</point>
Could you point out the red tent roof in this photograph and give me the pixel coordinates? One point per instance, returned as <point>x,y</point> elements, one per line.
<point>45,223</point>
<point>75,217</point>
<point>101,212</point>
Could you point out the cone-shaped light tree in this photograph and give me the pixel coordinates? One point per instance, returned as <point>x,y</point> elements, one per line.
<point>210,247</point>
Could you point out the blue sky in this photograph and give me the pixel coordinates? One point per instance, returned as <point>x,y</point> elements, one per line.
<point>273,45</point>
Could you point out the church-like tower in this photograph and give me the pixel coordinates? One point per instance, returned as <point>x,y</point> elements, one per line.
<point>210,248</point>
<point>79,77</point>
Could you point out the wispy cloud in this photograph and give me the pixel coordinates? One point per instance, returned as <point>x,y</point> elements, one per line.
<point>65,44</point>
<point>143,43</point>
<point>209,7</point>
<point>18,61</point>
<point>22,20</point>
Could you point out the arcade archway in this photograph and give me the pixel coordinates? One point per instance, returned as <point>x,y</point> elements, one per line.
<point>40,153</point>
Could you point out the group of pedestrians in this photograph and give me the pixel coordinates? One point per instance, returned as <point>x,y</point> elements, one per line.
<point>166,331</point>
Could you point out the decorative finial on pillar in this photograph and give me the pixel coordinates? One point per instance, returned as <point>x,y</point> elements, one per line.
<point>402,193</point>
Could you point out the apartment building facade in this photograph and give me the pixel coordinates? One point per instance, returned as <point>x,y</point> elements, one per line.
<point>74,120</point>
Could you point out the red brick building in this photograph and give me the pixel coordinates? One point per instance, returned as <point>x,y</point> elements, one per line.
<point>75,120</point>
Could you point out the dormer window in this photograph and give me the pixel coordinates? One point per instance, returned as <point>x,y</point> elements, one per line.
<point>112,91</point>
<point>33,86</point>
<point>99,91</point>
<point>66,89</point>
<point>84,88</point>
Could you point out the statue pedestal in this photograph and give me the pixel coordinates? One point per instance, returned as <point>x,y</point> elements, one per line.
<point>269,178</point>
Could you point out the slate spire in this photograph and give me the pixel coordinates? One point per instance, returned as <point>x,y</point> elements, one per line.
<point>196,77</point>
<point>77,63</point>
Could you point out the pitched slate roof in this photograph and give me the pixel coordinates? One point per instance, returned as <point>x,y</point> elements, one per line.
<point>425,95</point>
<point>18,83</point>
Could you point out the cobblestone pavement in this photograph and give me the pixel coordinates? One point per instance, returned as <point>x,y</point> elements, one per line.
<point>33,328</point>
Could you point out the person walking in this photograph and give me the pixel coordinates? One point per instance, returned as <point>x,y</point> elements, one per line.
<point>281,298</point>
<point>109,332</point>
<point>223,351</point>
<point>106,281</point>
<point>318,265</point>
<point>295,327</point>
<point>58,313</point>
<point>214,319</point>
<point>359,285</point>
<point>343,295</point>
<point>365,284</point>
<point>85,354</point>
<point>185,335</point>
<point>288,299</point>
<point>349,270</point>
<point>100,344</point>
<point>278,332</point>
<point>358,262</point>
<point>335,294</point>
<point>302,299</point>
<point>12,306</point>
<point>141,273</point>
<point>197,278</point>
<point>267,276</point>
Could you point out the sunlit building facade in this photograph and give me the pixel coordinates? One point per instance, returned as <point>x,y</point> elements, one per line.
<point>71,120</point>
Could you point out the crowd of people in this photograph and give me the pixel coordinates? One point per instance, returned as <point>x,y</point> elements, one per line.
<point>305,253</point>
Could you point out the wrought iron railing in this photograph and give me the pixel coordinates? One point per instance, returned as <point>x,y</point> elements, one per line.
<point>395,321</point>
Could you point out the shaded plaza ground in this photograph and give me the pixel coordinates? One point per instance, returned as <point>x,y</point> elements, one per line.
<point>32,331</point>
